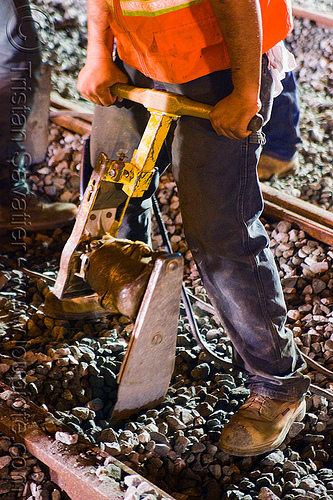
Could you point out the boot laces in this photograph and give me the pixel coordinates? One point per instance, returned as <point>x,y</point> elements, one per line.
<point>257,401</point>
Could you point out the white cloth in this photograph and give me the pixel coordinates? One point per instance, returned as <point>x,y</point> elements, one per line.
<point>280,62</point>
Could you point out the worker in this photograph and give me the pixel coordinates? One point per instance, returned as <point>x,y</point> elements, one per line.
<point>20,61</point>
<point>279,156</point>
<point>215,52</point>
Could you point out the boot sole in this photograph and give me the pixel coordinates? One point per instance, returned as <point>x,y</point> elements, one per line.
<point>268,447</point>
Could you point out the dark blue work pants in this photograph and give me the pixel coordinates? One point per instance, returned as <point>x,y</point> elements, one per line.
<point>221,203</point>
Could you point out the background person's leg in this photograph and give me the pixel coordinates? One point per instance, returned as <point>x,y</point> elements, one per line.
<point>118,129</point>
<point>20,60</point>
<point>279,156</point>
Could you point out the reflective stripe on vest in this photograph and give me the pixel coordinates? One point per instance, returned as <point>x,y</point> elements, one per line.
<point>154,7</point>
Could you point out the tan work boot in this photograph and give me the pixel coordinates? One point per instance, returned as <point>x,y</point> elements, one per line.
<point>269,166</point>
<point>31,213</point>
<point>260,425</point>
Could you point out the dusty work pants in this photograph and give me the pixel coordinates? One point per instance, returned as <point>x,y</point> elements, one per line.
<point>221,203</point>
<point>20,60</point>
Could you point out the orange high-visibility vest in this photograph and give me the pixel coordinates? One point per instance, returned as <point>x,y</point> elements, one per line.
<point>176,41</point>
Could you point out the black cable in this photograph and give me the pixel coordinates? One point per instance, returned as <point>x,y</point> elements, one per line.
<point>188,308</point>
<point>28,272</point>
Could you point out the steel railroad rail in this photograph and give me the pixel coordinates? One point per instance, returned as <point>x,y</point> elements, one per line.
<point>77,466</point>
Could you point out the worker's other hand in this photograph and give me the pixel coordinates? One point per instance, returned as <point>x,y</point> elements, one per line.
<point>96,78</point>
<point>231,115</point>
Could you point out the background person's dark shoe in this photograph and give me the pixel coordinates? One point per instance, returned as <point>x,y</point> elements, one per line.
<point>33,214</point>
<point>260,425</point>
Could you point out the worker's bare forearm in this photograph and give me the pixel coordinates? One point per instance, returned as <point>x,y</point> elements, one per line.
<point>100,72</point>
<point>100,38</point>
<point>240,24</point>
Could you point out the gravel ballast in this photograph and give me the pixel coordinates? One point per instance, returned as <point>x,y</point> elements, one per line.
<point>70,367</point>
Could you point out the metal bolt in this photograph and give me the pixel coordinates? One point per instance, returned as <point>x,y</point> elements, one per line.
<point>122,154</point>
<point>112,172</point>
<point>126,173</point>
<point>172,266</point>
<point>157,339</point>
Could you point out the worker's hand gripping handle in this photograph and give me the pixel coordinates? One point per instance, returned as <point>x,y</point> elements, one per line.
<point>172,103</point>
